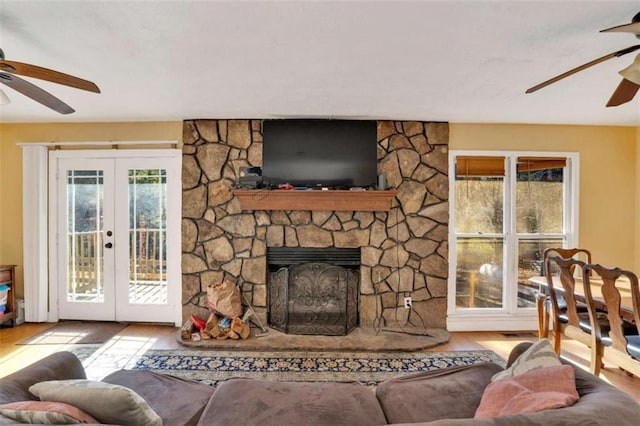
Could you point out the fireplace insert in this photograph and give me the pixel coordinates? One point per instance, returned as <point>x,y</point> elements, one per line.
<point>313,291</point>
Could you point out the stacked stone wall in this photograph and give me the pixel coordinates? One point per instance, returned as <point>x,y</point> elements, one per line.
<point>404,251</point>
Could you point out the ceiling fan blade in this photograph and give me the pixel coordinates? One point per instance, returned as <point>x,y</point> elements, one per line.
<point>35,93</point>
<point>47,74</point>
<point>633,28</point>
<point>557,78</point>
<point>625,91</point>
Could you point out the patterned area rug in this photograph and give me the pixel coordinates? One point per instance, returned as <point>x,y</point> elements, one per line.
<point>367,368</point>
<point>83,352</point>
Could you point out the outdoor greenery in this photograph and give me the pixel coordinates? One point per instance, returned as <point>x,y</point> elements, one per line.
<point>480,211</point>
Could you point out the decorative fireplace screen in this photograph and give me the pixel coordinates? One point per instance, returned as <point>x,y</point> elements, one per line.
<point>313,291</point>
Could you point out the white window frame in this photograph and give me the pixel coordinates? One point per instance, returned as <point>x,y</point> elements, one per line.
<point>509,316</point>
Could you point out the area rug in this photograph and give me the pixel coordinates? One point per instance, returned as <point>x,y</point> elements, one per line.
<point>76,332</point>
<point>367,368</point>
<point>83,352</point>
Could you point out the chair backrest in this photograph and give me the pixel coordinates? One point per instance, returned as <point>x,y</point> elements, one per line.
<point>612,279</point>
<point>566,253</point>
<point>566,266</point>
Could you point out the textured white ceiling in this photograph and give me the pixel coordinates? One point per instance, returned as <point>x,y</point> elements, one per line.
<point>456,61</point>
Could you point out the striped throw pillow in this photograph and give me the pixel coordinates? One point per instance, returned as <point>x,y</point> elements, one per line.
<point>539,355</point>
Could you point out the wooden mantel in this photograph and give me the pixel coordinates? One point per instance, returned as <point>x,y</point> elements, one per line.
<point>334,200</point>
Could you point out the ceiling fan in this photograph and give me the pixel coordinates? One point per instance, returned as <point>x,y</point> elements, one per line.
<point>630,83</point>
<point>9,69</point>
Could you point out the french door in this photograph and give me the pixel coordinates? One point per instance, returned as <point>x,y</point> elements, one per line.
<point>117,235</point>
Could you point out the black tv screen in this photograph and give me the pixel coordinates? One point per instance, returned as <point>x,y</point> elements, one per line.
<point>319,153</point>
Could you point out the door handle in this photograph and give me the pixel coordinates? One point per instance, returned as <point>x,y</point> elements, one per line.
<point>108,245</point>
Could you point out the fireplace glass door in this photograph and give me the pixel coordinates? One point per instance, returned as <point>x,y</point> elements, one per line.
<point>313,290</point>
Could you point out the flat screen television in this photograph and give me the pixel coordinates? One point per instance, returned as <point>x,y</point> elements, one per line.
<point>337,154</point>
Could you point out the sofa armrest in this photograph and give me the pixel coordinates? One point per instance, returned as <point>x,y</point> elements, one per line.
<point>444,394</point>
<point>517,351</point>
<point>598,402</point>
<point>57,366</point>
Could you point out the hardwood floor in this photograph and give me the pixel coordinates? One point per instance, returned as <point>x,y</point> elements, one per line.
<point>122,350</point>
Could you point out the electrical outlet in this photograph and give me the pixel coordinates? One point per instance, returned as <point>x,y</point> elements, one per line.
<point>407,302</point>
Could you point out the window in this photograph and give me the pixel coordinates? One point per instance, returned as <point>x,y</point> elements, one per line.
<point>539,216</point>
<point>479,224</point>
<point>507,207</point>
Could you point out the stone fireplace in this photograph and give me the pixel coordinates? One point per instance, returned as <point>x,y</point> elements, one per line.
<point>403,251</point>
<point>313,290</point>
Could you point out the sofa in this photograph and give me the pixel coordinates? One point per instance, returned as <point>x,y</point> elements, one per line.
<point>442,397</point>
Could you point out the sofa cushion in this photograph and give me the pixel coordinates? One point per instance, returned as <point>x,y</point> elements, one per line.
<point>177,401</point>
<point>530,392</point>
<point>539,355</point>
<point>451,393</point>
<point>45,412</point>
<point>108,403</point>
<point>258,402</point>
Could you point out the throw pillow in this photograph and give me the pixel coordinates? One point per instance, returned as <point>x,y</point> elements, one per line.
<point>539,355</point>
<point>536,390</point>
<point>108,403</point>
<point>45,412</point>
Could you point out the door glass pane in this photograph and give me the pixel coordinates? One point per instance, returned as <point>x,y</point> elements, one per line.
<point>540,200</point>
<point>479,272</point>
<point>147,236</point>
<point>85,199</point>
<point>479,204</point>
<point>530,264</point>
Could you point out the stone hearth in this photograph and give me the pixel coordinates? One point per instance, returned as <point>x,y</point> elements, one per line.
<point>360,339</point>
<point>404,251</point>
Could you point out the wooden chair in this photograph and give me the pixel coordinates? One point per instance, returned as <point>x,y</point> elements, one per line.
<point>616,342</point>
<point>543,303</point>
<point>568,321</point>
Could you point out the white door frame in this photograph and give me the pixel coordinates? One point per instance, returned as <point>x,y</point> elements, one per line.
<point>174,208</point>
<point>105,310</point>
<point>125,309</point>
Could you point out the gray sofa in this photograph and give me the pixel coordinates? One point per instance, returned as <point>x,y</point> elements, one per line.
<point>440,397</point>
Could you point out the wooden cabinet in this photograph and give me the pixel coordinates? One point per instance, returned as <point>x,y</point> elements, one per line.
<point>8,278</point>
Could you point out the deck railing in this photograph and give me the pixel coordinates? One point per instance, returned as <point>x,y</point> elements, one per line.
<point>147,258</point>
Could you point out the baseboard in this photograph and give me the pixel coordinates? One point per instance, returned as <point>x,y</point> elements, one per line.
<point>492,322</point>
